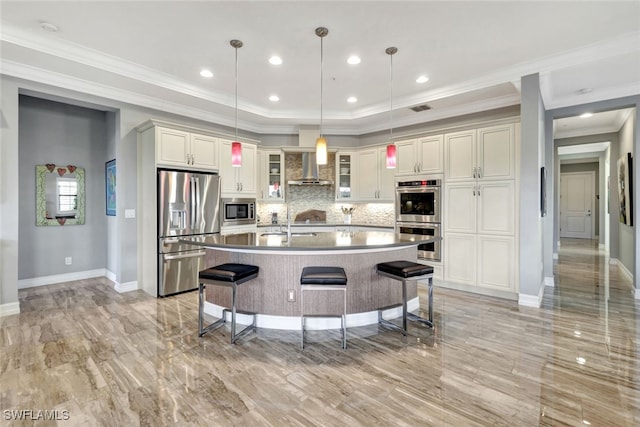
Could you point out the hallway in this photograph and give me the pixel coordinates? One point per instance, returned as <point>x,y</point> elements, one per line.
<point>129,359</point>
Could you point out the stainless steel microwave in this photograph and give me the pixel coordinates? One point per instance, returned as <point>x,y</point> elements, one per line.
<point>238,211</point>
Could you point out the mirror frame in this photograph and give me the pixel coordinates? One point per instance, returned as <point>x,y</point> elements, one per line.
<point>42,171</point>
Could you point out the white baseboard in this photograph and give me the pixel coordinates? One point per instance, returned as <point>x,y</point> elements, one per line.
<point>621,266</point>
<point>292,323</point>
<point>59,278</point>
<point>110,275</point>
<point>532,300</point>
<point>9,309</point>
<point>549,281</point>
<point>126,287</point>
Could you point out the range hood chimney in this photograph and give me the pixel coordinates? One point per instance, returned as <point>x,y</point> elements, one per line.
<point>310,174</point>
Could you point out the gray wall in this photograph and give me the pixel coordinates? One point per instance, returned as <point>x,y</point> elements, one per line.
<point>598,198</point>
<point>532,153</point>
<point>626,233</point>
<point>51,132</point>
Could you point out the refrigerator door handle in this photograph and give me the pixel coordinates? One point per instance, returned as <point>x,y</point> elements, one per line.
<point>197,207</point>
<point>192,199</point>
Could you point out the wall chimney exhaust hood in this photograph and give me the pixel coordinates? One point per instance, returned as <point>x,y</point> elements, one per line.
<point>309,172</point>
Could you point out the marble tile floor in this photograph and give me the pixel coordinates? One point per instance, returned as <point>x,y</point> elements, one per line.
<point>112,359</point>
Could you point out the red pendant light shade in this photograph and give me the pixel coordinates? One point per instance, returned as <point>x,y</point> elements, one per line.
<point>236,154</point>
<point>391,156</point>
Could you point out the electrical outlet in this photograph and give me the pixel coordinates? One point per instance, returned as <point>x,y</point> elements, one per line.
<point>68,260</point>
<point>291,295</point>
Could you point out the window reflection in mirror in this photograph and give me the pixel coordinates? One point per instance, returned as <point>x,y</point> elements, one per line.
<point>59,195</point>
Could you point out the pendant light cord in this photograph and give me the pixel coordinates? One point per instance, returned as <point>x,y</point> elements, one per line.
<point>321,79</point>
<point>391,99</point>
<point>236,44</point>
<point>391,51</point>
<point>236,93</point>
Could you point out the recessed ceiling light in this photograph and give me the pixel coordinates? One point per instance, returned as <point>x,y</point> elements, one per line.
<point>48,26</point>
<point>353,60</point>
<point>581,360</point>
<point>585,115</point>
<point>422,79</point>
<point>275,60</point>
<point>206,73</point>
<point>352,99</point>
<point>274,98</point>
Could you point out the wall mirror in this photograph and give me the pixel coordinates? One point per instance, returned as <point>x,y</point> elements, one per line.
<point>59,195</point>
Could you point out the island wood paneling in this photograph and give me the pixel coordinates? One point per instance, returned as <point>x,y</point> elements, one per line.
<point>279,272</point>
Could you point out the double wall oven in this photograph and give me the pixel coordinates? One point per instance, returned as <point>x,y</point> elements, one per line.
<point>418,213</point>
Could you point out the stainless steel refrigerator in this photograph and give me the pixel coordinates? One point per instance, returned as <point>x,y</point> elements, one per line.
<point>188,205</point>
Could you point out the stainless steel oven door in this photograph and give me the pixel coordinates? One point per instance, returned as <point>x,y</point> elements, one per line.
<point>431,251</point>
<point>418,204</point>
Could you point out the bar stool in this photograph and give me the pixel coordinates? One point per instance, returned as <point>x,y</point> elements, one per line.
<point>228,275</point>
<point>324,279</point>
<point>406,271</point>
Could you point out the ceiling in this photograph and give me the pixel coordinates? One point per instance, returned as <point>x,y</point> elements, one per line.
<point>474,53</point>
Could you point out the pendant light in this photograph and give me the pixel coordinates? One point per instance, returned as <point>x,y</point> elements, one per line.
<point>391,148</point>
<point>236,146</point>
<point>321,142</point>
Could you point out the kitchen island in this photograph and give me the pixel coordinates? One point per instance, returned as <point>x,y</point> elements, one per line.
<point>274,294</point>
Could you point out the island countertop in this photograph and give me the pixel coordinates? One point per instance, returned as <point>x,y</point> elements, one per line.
<point>307,241</point>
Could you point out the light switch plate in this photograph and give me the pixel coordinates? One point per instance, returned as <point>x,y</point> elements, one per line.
<point>129,213</point>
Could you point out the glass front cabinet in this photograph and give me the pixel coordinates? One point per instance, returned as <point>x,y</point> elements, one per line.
<point>344,176</point>
<point>271,173</point>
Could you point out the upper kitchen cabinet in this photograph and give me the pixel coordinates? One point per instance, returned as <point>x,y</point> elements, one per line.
<point>345,176</point>
<point>375,182</point>
<point>186,150</point>
<point>238,181</point>
<point>482,154</point>
<point>270,176</point>
<point>422,156</point>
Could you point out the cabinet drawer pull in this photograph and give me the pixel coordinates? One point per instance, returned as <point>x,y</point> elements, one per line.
<point>479,172</point>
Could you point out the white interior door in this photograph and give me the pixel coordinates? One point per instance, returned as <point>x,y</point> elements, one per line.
<point>576,204</point>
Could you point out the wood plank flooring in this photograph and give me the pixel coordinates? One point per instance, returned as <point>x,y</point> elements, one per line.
<point>114,359</point>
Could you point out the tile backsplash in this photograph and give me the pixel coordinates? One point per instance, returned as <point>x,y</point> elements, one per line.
<point>302,198</point>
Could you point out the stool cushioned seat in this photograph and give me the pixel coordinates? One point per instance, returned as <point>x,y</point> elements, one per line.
<point>405,268</point>
<point>229,272</point>
<point>323,276</point>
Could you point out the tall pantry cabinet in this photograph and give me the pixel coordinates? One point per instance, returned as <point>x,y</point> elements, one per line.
<point>480,208</point>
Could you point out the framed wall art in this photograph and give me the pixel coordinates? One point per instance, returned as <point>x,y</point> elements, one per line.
<point>543,191</point>
<point>625,189</point>
<point>110,186</point>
